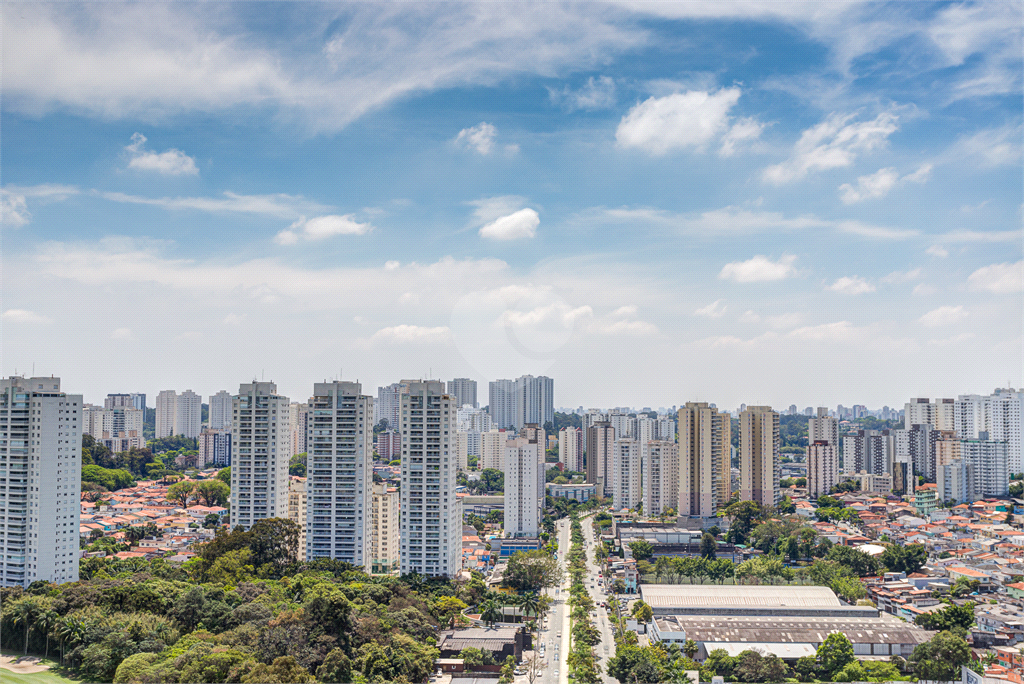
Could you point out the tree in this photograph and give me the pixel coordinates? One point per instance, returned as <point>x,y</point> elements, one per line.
<point>274,541</point>
<point>642,549</point>
<point>949,618</point>
<point>336,667</point>
<point>834,653</point>
<point>805,668</point>
<point>297,465</point>
<point>690,648</point>
<point>224,475</point>
<point>941,657</point>
<point>181,493</point>
<point>708,547</point>
<point>908,559</point>
<point>532,571</point>
<point>211,521</point>
<point>858,561</point>
<point>744,514</point>
<point>212,492</point>
<point>490,612</point>
<point>284,670</point>
<point>25,613</point>
<point>850,588</point>
<point>964,586</point>
<point>720,662</point>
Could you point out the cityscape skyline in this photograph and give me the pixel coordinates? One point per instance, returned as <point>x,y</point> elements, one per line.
<point>742,195</point>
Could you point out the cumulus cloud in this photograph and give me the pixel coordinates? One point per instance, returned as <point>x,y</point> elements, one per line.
<point>321,228</point>
<point>713,310</point>
<point>759,269</point>
<point>412,334</point>
<point>692,119</point>
<point>852,285</point>
<point>14,201</point>
<point>24,316</point>
<point>834,143</point>
<point>998,278</point>
<point>879,184</point>
<point>515,226</point>
<point>480,138</point>
<point>944,315</point>
<point>596,93</point>
<point>170,163</point>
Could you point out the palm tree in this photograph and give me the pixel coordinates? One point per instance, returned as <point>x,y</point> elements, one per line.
<point>489,611</point>
<point>70,630</point>
<point>530,605</point>
<point>25,614</point>
<point>46,622</point>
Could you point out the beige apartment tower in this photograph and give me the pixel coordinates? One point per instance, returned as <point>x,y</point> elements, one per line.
<point>759,455</point>
<point>822,468</point>
<point>386,536</point>
<point>823,428</point>
<point>705,447</point>
<point>600,440</point>
<point>297,509</point>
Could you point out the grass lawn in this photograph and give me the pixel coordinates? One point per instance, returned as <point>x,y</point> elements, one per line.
<point>47,677</point>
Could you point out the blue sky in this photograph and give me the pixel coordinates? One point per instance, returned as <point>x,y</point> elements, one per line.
<point>651,202</point>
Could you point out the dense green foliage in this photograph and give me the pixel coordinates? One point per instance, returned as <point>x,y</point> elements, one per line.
<point>297,465</point>
<point>243,611</point>
<point>109,479</point>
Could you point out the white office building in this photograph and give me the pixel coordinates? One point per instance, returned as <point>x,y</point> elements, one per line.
<point>166,405</point>
<point>464,391</point>
<point>339,473</point>
<point>40,458</point>
<point>431,513</point>
<point>524,486</point>
<point>626,473</point>
<point>661,477</point>
<point>219,417</point>
<point>188,414</point>
<point>261,449</point>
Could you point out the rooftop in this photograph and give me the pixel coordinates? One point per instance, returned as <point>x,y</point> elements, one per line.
<point>711,596</point>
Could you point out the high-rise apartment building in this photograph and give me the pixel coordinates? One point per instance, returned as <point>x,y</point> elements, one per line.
<point>298,418</point>
<point>921,411</point>
<point>1000,414</point>
<point>188,414</point>
<point>386,535</point>
<point>40,456</point>
<point>705,441</point>
<point>600,440</point>
<point>524,490</point>
<point>625,475</point>
<point>823,428</point>
<point>492,448</point>
<point>502,403</point>
<point>661,477</point>
<point>464,391</point>
<point>989,459</point>
<point>460,447</point>
<point>759,455</point>
<point>822,467</point>
<point>297,510</point>
<point>389,445</point>
<point>214,448</point>
<point>534,400</point>
<point>587,419</point>
<point>166,404</point>
<point>135,400</point>
<point>666,430</point>
<point>260,441</point>
<point>870,451</point>
<point>431,513</point>
<point>570,448</point>
<point>389,404</point>
<point>219,417</point>
<point>622,423</point>
<point>955,482</point>
<point>470,419</point>
<point>339,471</point>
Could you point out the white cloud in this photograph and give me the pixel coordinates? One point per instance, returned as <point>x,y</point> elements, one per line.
<point>923,290</point>
<point>879,184</point>
<point>741,132</point>
<point>981,236</point>
<point>412,334</point>
<point>998,278</point>
<point>24,316</point>
<point>627,310</point>
<point>391,265</point>
<point>713,310</point>
<point>852,285</point>
<point>876,232</point>
<point>170,163</point>
<point>988,148</point>
<point>944,315</point>
<point>684,120</point>
<point>480,138</point>
<point>321,228</point>
<point>834,143</point>
<point>515,226</point>
<point>122,334</point>
<point>280,205</point>
<point>759,269</point>
<point>14,201</point>
<point>596,93</point>
<point>842,330</point>
<point>899,277</point>
<point>492,208</point>
<point>937,251</point>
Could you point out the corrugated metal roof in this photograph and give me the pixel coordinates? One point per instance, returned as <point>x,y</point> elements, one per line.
<point>710,596</point>
<point>725,629</point>
<point>783,651</point>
